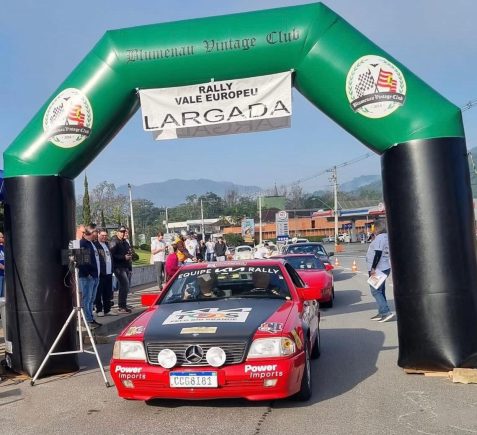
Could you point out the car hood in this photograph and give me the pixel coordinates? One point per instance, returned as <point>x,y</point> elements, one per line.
<point>230,319</point>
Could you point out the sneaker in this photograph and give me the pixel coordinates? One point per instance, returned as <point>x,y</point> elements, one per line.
<point>94,322</point>
<point>112,303</point>
<point>111,313</point>
<point>92,325</point>
<point>377,317</point>
<point>100,314</point>
<point>124,310</point>
<point>129,306</point>
<point>387,318</point>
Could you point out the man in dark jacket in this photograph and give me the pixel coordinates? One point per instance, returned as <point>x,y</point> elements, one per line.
<point>122,256</point>
<point>105,286</point>
<point>89,274</point>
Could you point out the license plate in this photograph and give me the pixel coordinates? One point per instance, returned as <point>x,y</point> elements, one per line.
<point>193,380</point>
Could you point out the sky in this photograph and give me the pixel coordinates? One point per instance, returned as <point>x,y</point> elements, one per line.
<point>41,42</point>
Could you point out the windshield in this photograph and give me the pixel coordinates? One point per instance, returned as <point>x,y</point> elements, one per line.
<point>243,249</point>
<point>305,249</point>
<point>306,263</point>
<point>226,283</point>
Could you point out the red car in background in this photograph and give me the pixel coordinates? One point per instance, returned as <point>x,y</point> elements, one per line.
<point>316,274</point>
<point>222,330</point>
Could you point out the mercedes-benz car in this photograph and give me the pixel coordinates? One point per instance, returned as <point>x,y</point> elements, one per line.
<point>222,330</point>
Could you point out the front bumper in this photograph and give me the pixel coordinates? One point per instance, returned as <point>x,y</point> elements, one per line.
<point>245,380</point>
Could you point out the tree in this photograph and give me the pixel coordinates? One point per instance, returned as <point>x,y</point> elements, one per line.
<point>86,206</point>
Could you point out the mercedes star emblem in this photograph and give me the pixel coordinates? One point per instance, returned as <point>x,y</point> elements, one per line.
<point>194,353</point>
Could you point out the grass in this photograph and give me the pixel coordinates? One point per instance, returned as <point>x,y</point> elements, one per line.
<point>144,258</point>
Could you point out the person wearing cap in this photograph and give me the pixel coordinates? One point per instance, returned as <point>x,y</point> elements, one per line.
<point>182,252</point>
<point>122,257</point>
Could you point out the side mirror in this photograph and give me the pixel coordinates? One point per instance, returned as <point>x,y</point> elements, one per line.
<point>148,299</point>
<point>328,266</point>
<point>309,293</point>
<point>330,254</point>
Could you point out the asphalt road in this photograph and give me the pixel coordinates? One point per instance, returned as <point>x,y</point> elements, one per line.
<point>357,389</point>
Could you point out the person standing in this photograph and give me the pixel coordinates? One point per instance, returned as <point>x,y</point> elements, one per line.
<point>202,250</point>
<point>210,250</point>
<point>89,274</point>
<point>192,245</point>
<point>105,286</point>
<point>158,251</point>
<point>377,259</point>
<point>122,257</point>
<point>172,262</point>
<point>2,267</point>
<point>220,249</point>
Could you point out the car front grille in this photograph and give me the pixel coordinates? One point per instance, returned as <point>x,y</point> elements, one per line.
<point>234,351</point>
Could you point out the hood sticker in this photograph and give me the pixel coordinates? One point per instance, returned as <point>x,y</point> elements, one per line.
<point>272,327</point>
<point>134,330</point>
<point>199,330</point>
<point>375,87</point>
<point>238,315</point>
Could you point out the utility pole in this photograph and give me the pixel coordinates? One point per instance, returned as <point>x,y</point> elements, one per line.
<point>167,222</point>
<point>334,180</point>
<point>133,235</point>
<point>202,219</point>
<point>260,218</point>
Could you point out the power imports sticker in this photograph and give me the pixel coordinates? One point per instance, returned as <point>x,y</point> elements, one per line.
<point>375,87</point>
<point>69,119</point>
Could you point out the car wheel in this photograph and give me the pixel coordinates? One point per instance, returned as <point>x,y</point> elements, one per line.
<point>316,350</point>
<point>329,304</point>
<point>305,390</point>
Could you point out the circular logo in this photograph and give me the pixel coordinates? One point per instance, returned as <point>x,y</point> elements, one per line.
<point>193,354</point>
<point>282,214</point>
<point>68,119</point>
<point>375,87</point>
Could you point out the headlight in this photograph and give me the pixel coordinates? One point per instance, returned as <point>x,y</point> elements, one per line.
<point>167,358</point>
<point>268,347</point>
<point>129,350</point>
<point>215,356</point>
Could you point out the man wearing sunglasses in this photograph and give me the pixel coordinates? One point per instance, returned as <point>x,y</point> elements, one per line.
<point>122,256</point>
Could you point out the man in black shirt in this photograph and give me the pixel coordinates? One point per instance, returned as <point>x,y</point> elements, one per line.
<point>122,256</point>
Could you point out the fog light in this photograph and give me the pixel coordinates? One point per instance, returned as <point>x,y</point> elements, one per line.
<point>270,382</point>
<point>128,383</point>
<point>167,358</point>
<point>215,356</point>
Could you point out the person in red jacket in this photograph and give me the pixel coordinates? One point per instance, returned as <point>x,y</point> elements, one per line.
<point>172,263</point>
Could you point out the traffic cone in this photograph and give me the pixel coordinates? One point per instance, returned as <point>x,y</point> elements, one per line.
<point>354,267</point>
<point>337,262</point>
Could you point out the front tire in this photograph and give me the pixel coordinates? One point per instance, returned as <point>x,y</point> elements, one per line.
<point>305,390</point>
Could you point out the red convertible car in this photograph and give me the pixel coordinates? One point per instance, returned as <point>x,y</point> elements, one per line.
<point>222,330</point>
<point>316,274</point>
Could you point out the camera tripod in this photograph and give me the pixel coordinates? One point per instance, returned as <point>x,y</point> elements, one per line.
<point>81,322</point>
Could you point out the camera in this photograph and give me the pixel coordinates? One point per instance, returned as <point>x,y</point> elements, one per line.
<point>80,256</point>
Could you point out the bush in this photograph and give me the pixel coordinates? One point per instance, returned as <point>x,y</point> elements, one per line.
<point>145,247</point>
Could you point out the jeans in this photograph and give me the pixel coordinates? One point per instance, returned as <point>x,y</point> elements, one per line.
<point>123,279</point>
<point>2,286</point>
<point>88,286</point>
<point>104,294</point>
<point>160,272</point>
<point>380,296</point>
<point>210,256</point>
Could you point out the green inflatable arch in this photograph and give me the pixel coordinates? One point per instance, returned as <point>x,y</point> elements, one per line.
<point>344,74</point>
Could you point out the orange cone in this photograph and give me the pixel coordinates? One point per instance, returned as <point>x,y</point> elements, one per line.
<point>354,267</point>
<point>337,262</point>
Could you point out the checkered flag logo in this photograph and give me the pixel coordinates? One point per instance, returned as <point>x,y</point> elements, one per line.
<point>365,83</point>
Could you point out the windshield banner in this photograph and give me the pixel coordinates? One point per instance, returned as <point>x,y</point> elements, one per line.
<point>218,108</point>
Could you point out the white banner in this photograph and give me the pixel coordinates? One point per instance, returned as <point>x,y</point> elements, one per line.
<point>217,108</point>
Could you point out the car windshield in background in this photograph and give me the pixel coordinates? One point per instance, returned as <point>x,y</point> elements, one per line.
<point>227,283</point>
<point>305,249</point>
<point>243,249</point>
<point>305,263</point>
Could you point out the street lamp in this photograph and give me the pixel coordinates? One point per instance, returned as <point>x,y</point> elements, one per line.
<point>133,235</point>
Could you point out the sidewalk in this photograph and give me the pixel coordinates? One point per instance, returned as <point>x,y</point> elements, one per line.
<point>111,325</point>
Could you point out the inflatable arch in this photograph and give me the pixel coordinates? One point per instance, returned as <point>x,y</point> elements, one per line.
<point>418,133</point>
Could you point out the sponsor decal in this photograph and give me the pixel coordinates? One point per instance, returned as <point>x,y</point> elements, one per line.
<point>235,315</point>
<point>272,327</point>
<point>375,87</point>
<point>134,330</point>
<point>199,330</point>
<point>262,371</point>
<point>132,373</point>
<point>68,120</point>
<point>299,343</point>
